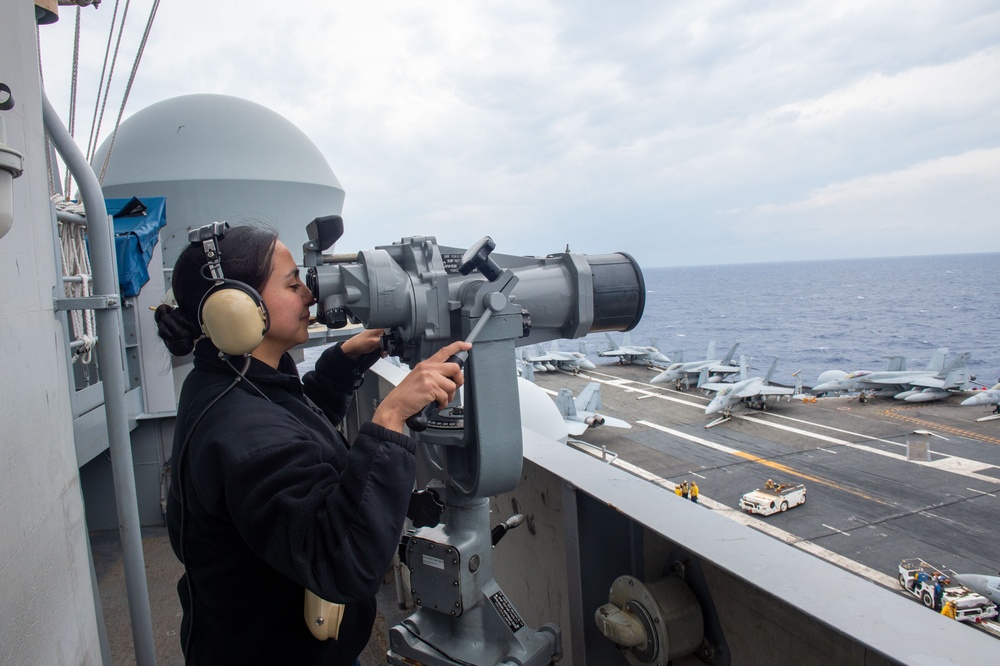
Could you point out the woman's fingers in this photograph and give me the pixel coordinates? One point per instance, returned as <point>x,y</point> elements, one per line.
<point>435,380</point>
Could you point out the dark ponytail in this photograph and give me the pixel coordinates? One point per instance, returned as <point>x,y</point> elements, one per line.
<point>247,254</point>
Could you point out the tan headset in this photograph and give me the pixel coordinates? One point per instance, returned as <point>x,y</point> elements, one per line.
<point>231,314</point>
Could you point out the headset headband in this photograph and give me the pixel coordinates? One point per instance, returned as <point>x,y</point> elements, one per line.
<point>209,236</point>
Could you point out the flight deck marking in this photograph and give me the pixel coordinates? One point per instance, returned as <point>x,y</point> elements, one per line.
<point>981,492</point>
<point>758,524</point>
<point>956,465</point>
<point>939,426</point>
<point>757,459</point>
<point>646,393</point>
<point>830,527</point>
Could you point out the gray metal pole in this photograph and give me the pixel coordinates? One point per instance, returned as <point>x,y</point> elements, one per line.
<point>109,356</point>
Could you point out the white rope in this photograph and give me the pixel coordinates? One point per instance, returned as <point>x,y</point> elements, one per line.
<point>76,263</point>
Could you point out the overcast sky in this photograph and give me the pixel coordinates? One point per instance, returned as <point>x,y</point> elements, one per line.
<point>684,133</point>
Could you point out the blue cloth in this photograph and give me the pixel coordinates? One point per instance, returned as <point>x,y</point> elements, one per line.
<point>137,225</point>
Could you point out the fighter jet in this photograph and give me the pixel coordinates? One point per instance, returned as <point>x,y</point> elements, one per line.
<point>752,392</point>
<point>580,413</point>
<point>682,373</point>
<point>988,586</point>
<point>987,397</point>
<point>628,353</point>
<point>554,359</point>
<point>925,387</point>
<point>936,382</point>
<point>835,381</point>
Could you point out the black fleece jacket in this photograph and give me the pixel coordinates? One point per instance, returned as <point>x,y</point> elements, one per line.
<point>274,501</point>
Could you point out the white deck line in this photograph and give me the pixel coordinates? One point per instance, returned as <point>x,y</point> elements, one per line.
<point>750,521</point>
<point>954,464</point>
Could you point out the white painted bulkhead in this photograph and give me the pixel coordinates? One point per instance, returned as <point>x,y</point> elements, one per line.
<point>47,604</point>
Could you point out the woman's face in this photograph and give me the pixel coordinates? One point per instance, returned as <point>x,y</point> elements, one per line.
<point>287,300</point>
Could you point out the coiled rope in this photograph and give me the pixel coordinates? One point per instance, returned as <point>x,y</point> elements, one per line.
<point>76,264</point>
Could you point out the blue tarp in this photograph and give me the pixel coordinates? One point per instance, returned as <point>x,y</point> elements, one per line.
<point>137,226</point>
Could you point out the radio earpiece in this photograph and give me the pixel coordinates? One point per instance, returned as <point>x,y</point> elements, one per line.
<point>231,314</point>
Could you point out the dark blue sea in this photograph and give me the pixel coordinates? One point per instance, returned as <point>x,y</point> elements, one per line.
<point>847,314</point>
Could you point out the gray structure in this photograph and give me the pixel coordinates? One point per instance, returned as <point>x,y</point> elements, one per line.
<point>220,158</point>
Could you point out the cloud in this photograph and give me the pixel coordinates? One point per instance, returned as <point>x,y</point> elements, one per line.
<point>952,200</point>
<point>666,130</point>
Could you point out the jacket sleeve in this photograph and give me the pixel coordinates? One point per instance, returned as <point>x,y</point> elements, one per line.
<point>333,533</point>
<point>332,383</point>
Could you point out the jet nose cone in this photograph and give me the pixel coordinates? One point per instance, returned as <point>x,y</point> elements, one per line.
<point>584,363</point>
<point>974,400</point>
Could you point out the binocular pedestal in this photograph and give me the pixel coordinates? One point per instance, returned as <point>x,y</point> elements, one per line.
<point>466,455</point>
<point>463,616</point>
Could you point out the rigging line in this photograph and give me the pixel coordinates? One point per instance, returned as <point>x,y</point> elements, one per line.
<point>100,86</point>
<point>74,80</point>
<point>107,89</point>
<point>49,168</point>
<point>128,87</point>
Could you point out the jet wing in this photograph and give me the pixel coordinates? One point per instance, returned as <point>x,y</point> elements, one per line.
<point>576,428</point>
<point>542,358</point>
<point>715,386</point>
<point>875,378</point>
<point>767,390</point>
<point>927,382</point>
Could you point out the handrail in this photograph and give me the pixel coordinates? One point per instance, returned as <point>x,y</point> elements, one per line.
<point>101,242</point>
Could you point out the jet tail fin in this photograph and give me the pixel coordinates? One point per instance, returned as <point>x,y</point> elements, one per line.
<point>702,377</point>
<point>528,371</point>
<point>937,361</point>
<point>589,399</point>
<point>896,364</point>
<point>729,355</point>
<point>744,373</point>
<point>957,374</point>
<point>710,352</point>
<point>770,372</point>
<point>565,403</point>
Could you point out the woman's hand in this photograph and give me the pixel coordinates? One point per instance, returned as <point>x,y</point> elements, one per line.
<point>433,380</point>
<point>363,343</point>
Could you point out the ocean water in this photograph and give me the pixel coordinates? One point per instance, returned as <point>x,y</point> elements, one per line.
<point>849,314</point>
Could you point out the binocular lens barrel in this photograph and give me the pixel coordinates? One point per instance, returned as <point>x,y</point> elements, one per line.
<point>619,292</point>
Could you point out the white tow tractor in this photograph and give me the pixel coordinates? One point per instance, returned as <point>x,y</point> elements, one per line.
<point>773,497</point>
<point>935,586</point>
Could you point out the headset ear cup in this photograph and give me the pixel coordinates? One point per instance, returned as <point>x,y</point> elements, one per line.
<point>233,316</point>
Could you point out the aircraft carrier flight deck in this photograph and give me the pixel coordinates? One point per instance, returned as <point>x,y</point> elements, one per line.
<point>886,480</point>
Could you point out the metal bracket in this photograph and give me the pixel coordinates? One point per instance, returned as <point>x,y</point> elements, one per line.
<point>110,302</point>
